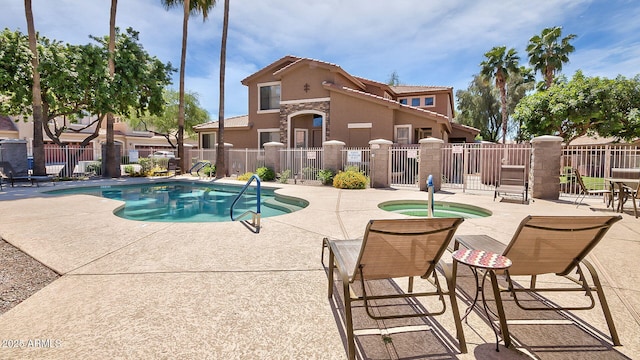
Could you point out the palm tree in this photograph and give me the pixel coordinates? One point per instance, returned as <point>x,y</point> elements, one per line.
<point>190,7</point>
<point>547,55</point>
<point>499,64</point>
<point>111,166</point>
<point>38,142</point>
<point>221,168</point>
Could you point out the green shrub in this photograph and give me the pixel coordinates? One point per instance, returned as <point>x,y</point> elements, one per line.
<point>244,177</point>
<point>129,170</point>
<point>355,168</point>
<point>146,165</point>
<point>209,170</point>
<point>284,176</point>
<point>325,176</point>
<point>350,180</point>
<point>265,174</point>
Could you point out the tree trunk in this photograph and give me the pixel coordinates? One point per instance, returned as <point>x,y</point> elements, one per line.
<point>111,163</point>
<point>38,142</point>
<point>500,83</point>
<point>221,169</point>
<point>183,60</point>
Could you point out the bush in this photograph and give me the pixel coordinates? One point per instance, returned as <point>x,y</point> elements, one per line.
<point>129,170</point>
<point>244,177</point>
<point>350,180</point>
<point>209,170</point>
<point>265,174</point>
<point>325,176</point>
<point>146,165</point>
<point>284,176</point>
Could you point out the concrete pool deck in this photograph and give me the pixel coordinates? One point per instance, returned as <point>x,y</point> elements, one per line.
<point>218,291</point>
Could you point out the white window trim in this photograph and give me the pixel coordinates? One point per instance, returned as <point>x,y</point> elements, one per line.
<point>306,137</point>
<point>271,83</point>
<point>434,101</point>
<point>395,133</point>
<point>269,130</point>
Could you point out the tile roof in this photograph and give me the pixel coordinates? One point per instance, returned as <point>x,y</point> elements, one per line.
<point>6,124</point>
<point>232,122</point>
<point>408,89</point>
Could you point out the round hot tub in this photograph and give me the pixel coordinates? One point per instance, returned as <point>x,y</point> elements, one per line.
<point>441,209</point>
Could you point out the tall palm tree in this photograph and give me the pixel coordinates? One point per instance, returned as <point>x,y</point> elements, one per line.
<point>221,168</point>
<point>189,7</point>
<point>547,53</point>
<point>111,165</point>
<point>499,63</point>
<point>38,142</point>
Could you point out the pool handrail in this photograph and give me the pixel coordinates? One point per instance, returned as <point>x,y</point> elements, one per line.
<point>255,215</point>
<point>199,165</point>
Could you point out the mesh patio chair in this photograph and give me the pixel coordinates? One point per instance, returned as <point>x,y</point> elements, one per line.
<point>395,248</point>
<point>513,180</point>
<point>584,191</point>
<point>549,245</point>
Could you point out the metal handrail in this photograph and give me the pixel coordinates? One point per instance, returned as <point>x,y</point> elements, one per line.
<point>255,215</point>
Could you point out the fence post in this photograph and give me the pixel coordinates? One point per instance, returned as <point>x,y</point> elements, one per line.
<point>332,155</point>
<point>380,161</point>
<point>430,162</point>
<point>272,155</point>
<point>544,177</point>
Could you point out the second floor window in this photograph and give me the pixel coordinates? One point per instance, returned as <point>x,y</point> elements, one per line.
<point>269,97</point>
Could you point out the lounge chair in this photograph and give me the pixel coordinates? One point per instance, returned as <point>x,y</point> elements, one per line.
<point>548,245</point>
<point>8,174</point>
<point>513,180</point>
<point>584,191</point>
<point>393,249</point>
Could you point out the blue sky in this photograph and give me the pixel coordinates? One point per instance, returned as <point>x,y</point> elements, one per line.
<point>434,42</point>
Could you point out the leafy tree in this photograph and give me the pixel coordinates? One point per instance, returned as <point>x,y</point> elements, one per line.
<point>547,52</point>
<point>498,65</point>
<point>583,106</point>
<point>479,104</point>
<point>394,79</point>
<point>75,81</point>
<point>190,7</point>
<point>165,124</point>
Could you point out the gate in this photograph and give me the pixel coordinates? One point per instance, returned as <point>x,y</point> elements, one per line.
<point>404,166</point>
<point>302,164</point>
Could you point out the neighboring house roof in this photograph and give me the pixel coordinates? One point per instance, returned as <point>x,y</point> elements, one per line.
<point>410,89</point>
<point>465,127</point>
<point>597,140</point>
<point>241,121</point>
<point>6,124</point>
<point>391,103</point>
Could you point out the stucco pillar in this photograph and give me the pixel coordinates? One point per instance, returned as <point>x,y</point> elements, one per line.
<point>430,162</point>
<point>15,153</point>
<point>332,155</point>
<point>380,169</point>
<point>544,177</point>
<point>272,155</point>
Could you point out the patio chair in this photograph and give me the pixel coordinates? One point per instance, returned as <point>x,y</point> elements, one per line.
<point>584,191</point>
<point>631,190</point>
<point>393,249</point>
<point>513,180</point>
<point>548,245</point>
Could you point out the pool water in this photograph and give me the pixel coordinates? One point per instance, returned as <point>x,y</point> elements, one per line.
<point>441,209</point>
<point>180,201</point>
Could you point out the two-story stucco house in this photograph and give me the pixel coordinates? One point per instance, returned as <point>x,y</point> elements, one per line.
<point>303,102</point>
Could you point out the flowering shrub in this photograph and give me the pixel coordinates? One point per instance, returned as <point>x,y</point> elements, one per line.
<point>350,180</point>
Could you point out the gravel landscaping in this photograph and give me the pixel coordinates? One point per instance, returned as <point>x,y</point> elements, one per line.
<point>20,276</point>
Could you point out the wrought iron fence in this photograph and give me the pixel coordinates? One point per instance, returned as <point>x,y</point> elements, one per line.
<point>302,164</point>
<point>404,166</point>
<point>357,158</point>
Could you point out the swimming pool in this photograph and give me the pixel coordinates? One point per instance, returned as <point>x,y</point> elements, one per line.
<point>180,201</point>
<point>441,209</point>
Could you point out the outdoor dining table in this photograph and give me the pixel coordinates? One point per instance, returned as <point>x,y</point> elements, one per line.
<point>619,183</point>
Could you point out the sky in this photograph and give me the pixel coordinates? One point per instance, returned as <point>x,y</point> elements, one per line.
<point>426,42</point>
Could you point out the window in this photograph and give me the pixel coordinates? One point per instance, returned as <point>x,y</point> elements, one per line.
<point>429,101</point>
<point>209,141</point>
<point>423,133</point>
<point>317,121</point>
<point>415,102</point>
<point>269,97</point>
<point>403,101</point>
<point>402,134</point>
<point>300,138</point>
<point>268,135</point>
